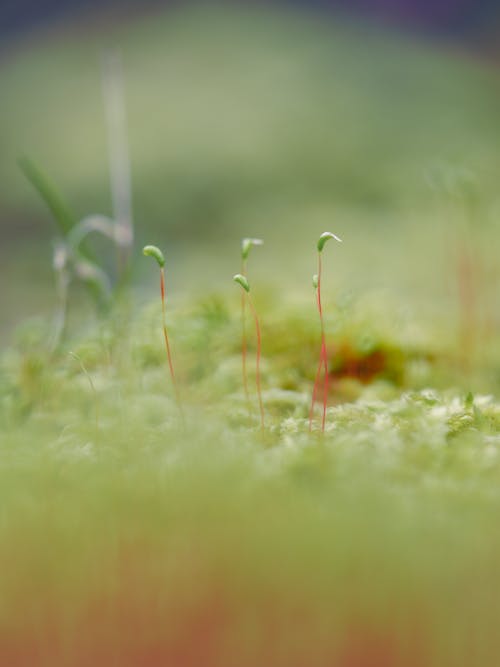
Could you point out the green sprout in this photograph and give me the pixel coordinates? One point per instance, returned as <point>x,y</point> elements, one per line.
<point>323,357</point>
<point>244,284</point>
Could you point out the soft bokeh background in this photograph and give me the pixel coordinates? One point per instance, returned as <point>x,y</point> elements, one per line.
<point>277,120</point>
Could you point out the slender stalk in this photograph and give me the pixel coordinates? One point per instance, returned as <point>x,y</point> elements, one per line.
<point>246,245</point>
<point>323,357</point>
<point>167,344</point>
<point>156,253</point>
<point>243,282</point>
<point>244,345</point>
<point>257,363</point>
<point>315,391</point>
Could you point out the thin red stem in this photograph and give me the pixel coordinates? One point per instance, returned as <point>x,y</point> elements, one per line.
<point>244,337</point>
<point>323,359</point>
<point>323,348</point>
<point>325,391</point>
<point>257,364</point>
<point>167,344</point>
<point>315,390</point>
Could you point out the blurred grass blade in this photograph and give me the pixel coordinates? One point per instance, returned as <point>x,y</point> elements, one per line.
<point>49,193</point>
<point>61,211</point>
<point>85,268</point>
<point>118,152</point>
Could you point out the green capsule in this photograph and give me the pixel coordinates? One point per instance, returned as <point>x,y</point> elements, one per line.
<point>153,251</point>
<point>324,238</point>
<point>241,280</point>
<point>246,246</point>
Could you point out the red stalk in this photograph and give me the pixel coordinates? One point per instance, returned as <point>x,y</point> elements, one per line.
<point>315,391</point>
<point>167,344</point>
<point>323,347</point>
<point>257,365</point>
<point>323,359</point>
<point>244,337</point>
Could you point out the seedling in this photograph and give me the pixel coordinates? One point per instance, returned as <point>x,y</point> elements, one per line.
<point>243,282</point>
<point>246,246</point>
<point>323,357</point>
<point>156,253</point>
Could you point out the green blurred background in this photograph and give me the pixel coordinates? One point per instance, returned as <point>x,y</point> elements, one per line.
<point>251,120</point>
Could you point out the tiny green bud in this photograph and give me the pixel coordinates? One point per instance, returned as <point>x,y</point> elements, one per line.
<point>315,281</point>
<point>247,244</point>
<point>241,280</point>
<point>153,251</point>
<point>324,238</point>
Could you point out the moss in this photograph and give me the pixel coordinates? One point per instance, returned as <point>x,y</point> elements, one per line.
<point>136,504</point>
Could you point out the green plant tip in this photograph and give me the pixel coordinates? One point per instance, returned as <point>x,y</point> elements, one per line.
<point>153,251</point>
<point>324,238</point>
<point>241,280</point>
<point>315,281</point>
<point>246,246</point>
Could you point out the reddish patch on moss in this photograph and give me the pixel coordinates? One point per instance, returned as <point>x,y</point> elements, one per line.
<point>346,362</point>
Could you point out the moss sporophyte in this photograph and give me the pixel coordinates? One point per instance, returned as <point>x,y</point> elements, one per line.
<point>246,245</point>
<point>323,356</point>
<point>156,253</point>
<point>244,284</point>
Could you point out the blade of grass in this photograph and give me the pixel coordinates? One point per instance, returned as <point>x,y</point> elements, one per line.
<point>60,210</point>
